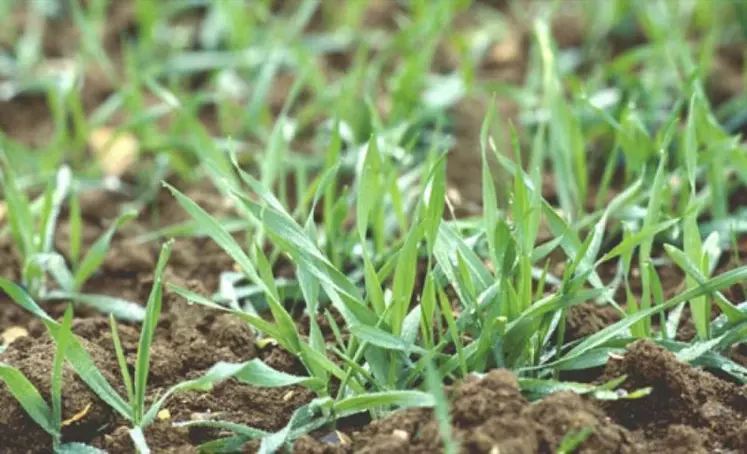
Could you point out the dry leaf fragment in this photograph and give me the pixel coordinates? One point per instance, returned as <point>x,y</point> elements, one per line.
<point>115,151</point>
<point>77,417</point>
<point>12,333</point>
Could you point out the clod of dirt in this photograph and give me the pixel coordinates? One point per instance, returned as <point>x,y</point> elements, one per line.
<point>34,357</point>
<point>489,415</point>
<point>710,411</point>
<point>588,318</point>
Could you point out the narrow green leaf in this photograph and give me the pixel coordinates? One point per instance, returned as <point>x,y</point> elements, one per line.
<point>19,212</point>
<point>254,373</point>
<point>119,308</point>
<point>683,261</point>
<point>28,396</point>
<point>260,324</point>
<point>369,185</point>
<point>76,354</point>
<point>59,192</point>
<point>121,360</point>
<point>401,399</point>
<point>75,224</point>
<point>404,279</point>
<point>717,283</point>
<point>59,362</point>
<point>380,338</point>
<point>274,442</point>
<point>638,238</point>
<point>374,294</point>
<point>77,448</point>
<point>147,331</point>
<point>97,253</point>
<point>435,388</point>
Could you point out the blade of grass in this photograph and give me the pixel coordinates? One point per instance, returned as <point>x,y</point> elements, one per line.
<point>121,360</point>
<point>76,354</point>
<point>28,396</point>
<point>95,256</point>
<point>147,331</point>
<point>59,362</point>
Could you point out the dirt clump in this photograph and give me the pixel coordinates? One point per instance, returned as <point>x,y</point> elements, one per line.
<point>489,415</point>
<point>685,403</point>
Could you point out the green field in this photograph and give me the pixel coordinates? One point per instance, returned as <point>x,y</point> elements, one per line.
<point>381,226</point>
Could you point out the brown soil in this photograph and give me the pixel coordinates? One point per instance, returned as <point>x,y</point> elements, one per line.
<point>688,410</point>
<point>488,415</point>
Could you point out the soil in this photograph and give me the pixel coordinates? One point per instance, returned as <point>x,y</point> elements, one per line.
<point>489,415</point>
<point>688,410</point>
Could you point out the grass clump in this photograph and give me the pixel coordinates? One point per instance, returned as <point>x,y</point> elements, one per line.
<point>398,295</point>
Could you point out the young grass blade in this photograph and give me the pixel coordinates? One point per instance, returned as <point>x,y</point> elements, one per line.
<point>651,219</point>
<point>96,254</point>
<point>76,354</point>
<point>369,185</point>
<point>52,212</point>
<point>121,309</point>
<point>57,368</point>
<point>254,373</point>
<point>364,402</point>
<point>382,339</point>
<point>123,368</point>
<point>283,319</point>
<point>717,283</point>
<point>75,220</point>
<point>19,212</point>
<point>733,314</point>
<point>374,294</point>
<point>638,238</point>
<point>310,291</point>
<point>77,448</point>
<point>217,232</point>
<point>28,396</point>
<point>698,349</point>
<point>434,200</point>
<point>258,323</point>
<point>221,237</point>
<point>435,388</point>
<point>147,331</point>
<point>320,360</point>
<point>598,231</point>
<point>294,241</point>
<point>489,200</point>
<point>693,244</point>
<point>404,279</point>
<point>301,417</point>
<point>573,440</point>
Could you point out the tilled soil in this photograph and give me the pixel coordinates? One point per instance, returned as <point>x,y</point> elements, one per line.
<point>688,410</point>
